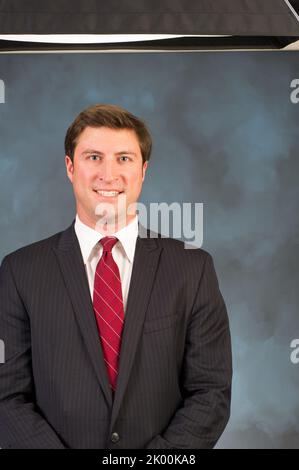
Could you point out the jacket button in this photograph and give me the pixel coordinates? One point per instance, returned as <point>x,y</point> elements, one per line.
<point>114,437</point>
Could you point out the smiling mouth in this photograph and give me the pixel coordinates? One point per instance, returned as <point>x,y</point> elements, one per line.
<point>108,193</point>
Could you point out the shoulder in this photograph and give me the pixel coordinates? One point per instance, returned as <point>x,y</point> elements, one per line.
<point>183,249</point>
<point>38,251</point>
<point>182,252</point>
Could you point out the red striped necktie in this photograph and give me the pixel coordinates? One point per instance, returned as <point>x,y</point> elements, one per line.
<point>108,307</point>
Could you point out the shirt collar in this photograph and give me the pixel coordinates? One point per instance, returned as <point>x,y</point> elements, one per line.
<point>88,238</point>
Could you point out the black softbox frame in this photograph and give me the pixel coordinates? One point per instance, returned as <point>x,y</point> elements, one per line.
<point>242,23</point>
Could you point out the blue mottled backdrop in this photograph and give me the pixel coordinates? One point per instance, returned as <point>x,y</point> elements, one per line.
<point>226,134</point>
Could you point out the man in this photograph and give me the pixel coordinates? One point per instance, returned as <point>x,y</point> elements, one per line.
<point>113,339</point>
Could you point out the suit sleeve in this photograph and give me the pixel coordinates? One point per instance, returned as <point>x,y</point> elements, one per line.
<point>206,372</point>
<point>22,425</point>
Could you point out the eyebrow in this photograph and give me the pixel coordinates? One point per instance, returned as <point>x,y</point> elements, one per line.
<point>127,152</point>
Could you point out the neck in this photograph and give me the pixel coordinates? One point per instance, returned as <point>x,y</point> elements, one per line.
<point>107,227</point>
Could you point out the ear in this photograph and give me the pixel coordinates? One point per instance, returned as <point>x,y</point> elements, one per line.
<point>69,168</point>
<point>144,167</point>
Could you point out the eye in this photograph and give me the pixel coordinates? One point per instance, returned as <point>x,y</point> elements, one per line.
<point>93,157</point>
<point>124,156</point>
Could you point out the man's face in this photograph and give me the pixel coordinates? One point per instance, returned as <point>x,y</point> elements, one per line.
<point>106,160</point>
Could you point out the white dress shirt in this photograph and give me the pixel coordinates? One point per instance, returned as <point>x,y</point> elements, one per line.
<point>123,252</point>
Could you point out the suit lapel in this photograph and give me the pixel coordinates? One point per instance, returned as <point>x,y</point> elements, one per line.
<point>73,270</point>
<point>145,264</point>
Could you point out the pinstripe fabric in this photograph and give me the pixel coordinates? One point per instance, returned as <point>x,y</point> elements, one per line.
<point>174,379</point>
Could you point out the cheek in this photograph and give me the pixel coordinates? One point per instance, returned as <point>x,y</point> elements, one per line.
<point>81,178</point>
<point>135,179</point>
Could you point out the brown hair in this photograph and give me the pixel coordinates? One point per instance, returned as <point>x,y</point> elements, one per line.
<point>112,116</point>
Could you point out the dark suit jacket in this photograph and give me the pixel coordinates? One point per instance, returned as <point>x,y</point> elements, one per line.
<point>174,381</point>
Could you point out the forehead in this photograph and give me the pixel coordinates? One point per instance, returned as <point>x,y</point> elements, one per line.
<point>105,139</point>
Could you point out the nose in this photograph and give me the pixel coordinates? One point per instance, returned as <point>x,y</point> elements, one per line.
<point>109,171</point>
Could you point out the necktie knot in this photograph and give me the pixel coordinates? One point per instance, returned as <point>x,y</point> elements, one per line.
<point>108,243</point>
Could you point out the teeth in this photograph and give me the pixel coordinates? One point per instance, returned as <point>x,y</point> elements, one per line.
<point>108,193</point>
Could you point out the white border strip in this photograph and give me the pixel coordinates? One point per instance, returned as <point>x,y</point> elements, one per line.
<point>152,51</point>
<point>92,38</point>
<point>292,9</point>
